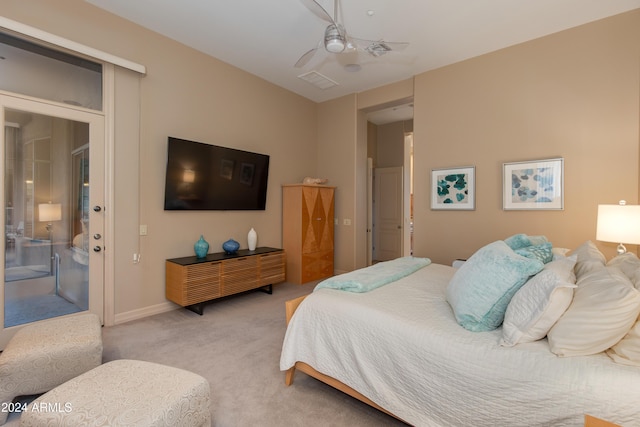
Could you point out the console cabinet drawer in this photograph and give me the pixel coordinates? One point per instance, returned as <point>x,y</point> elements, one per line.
<point>192,284</point>
<point>272,268</point>
<point>239,275</point>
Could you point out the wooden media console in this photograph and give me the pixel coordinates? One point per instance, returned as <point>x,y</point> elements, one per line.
<point>191,282</point>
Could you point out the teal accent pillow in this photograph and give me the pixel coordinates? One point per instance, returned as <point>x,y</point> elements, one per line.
<point>481,289</point>
<point>541,252</point>
<point>518,241</point>
<point>537,240</point>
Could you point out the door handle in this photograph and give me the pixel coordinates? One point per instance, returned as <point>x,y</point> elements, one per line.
<point>97,208</point>
<point>97,236</point>
<point>97,248</point>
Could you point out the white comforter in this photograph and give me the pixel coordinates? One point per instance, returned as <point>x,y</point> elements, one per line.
<point>400,346</point>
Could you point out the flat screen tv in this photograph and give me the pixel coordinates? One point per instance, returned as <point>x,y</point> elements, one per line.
<point>208,177</point>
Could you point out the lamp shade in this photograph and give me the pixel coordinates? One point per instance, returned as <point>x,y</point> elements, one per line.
<point>618,224</point>
<point>48,212</point>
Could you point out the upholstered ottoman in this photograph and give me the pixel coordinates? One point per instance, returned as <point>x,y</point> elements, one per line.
<point>125,393</point>
<point>44,355</point>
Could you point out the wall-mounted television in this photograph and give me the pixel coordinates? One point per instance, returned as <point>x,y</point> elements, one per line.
<point>208,177</point>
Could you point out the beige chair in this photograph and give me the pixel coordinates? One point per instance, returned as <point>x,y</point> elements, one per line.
<point>125,393</point>
<point>44,355</point>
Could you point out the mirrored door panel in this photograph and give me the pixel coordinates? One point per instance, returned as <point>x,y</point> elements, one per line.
<point>48,184</point>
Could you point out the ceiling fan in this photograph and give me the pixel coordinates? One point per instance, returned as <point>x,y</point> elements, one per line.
<point>336,40</point>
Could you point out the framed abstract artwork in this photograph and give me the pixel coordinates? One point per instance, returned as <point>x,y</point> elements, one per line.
<point>453,188</point>
<point>537,184</point>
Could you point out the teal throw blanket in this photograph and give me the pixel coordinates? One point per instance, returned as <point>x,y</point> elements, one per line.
<point>374,276</point>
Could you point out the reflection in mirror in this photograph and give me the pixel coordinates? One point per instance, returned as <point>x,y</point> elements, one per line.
<point>46,217</point>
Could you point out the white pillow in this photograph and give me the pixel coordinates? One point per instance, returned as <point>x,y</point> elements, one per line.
<point>589,259</point>
<point>629,264</point>
<point>605,306</point>
<point>627,350</point>
<point>536,307</point>
<point>560,252</point>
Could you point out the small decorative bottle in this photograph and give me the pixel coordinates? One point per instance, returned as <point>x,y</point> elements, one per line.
<point>230,247</point>
<point>201,247</point>
<point>252,239</point>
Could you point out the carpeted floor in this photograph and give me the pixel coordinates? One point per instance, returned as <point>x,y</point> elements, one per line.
<point>236,345</point>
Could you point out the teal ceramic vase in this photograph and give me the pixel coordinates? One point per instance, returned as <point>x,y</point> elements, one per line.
<point>201,247</point>
<point>230,247</point>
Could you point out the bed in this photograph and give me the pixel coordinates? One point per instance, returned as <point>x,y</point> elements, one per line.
<point>401,349</point>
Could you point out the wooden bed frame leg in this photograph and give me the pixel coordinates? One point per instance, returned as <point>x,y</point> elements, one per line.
<point>290,308</point>
<point>288,378</point>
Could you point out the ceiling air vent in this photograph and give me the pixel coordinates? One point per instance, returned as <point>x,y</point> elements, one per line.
<point>318,80</point>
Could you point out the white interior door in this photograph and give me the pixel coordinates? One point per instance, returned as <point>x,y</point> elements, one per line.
<point>388,216</point>
<point>53,161</point>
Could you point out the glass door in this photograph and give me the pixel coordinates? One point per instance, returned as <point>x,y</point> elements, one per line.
<point>53,195</point>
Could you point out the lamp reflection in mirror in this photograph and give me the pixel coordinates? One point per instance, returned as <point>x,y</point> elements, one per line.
<point>189,176</point>
<point>49,212</point>
<point>619,224</point>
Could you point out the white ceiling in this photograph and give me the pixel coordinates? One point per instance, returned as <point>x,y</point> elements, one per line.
<point>266,38</point>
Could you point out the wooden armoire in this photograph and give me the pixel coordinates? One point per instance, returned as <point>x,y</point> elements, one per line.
<point>307,231</point>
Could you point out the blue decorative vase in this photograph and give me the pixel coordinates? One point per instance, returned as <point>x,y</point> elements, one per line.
<point>201,247</point>
<point>230,246</point>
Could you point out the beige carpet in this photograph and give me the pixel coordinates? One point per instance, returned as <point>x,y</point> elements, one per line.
<point>236,345</point>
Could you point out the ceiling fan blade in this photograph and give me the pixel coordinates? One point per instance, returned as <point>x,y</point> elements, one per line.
<point>318,10</point>
<point>306,57</point>
<point>377,47</point>
<point>397,45</point>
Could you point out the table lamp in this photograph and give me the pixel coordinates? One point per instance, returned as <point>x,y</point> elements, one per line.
<point>619,224</point>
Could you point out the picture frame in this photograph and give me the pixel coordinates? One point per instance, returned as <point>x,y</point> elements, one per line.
<point>226,169</point>
<point>246,173</point>
<point>533,185</point>
<point>453,188</point>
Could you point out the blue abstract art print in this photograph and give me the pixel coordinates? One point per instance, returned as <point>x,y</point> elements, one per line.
<point>453,188</point>
<point>533,185</point>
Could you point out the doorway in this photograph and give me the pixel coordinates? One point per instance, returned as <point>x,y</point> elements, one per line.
<point>390,183</point>
<point>53,263</point>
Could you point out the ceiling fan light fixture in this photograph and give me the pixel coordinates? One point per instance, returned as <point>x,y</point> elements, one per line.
<point>334,45</point>
<point>334,39</point>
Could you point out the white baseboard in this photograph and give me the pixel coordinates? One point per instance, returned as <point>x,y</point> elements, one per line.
<point>145,312</point>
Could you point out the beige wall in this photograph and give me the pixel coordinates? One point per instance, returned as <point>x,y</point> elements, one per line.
<point>337,162</point>
<point>574,94</point>
<point>391,143</point>
<point>193,96</point>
